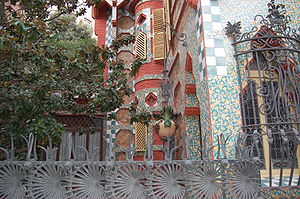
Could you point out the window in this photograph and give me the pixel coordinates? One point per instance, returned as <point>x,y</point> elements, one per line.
<point>140,136</point>
<point>141,45</point>
<point>267,109</point>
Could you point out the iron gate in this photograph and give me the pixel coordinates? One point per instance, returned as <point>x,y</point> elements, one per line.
<point>268,69</point>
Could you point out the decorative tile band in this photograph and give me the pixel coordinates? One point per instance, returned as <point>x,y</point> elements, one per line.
<point>190,88</point>
<point>192,111</point>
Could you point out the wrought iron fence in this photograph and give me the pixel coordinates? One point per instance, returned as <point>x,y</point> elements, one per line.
<point>172,179</point>
<point>266,150</point>
<point>167,179</point>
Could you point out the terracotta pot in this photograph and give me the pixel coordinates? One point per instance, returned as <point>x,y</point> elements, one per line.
<point>165,132</point>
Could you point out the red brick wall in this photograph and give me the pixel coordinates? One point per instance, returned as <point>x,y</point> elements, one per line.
<point>156,67</point>
<point>149,4</point>
<point>100,15</point>
<point>151,83</point>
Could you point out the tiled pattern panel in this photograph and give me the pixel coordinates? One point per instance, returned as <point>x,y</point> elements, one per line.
<point>225,110</point>
<point>204,102</point>
<point>194,48</point>
<point>214,47</point>
<point>141,98</point>
<point>113,126</point>
<point>191,100</point>
<point>192,126</point>
<point>200,73</point>
<point>224,89</point>
<point>146,28</point>
<point>121,13</point>
<point>110,30</point>
<point>265,182</point>
<point>179,77</point>
<point>282,192</point>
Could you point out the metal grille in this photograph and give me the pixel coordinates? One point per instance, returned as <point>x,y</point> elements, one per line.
<point>140,136</point>
<point>268,68</point>
<point>76,122</point>
<point>86,131</point>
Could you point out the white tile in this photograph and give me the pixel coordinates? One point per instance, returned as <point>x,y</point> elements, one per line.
<point>206,32</point>
<point>215,10</point>
<point>216,26</point>
<point>205,2</point>
<point>220,52</point>
<point>209,43</point>
<point>221,70</point>
<point>207,18</point>
<point>211,60</point>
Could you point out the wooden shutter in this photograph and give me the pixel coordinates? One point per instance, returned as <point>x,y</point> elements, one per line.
<point>141,45</point>
<point>168,20</point>
<point>140,136</point>
<point>158,34</point>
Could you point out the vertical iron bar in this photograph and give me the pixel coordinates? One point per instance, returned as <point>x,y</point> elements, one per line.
<point>281,167</point>
<point>292,166</point>
<point>270,141</point>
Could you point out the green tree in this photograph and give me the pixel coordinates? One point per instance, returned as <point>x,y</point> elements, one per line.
<point>47,66</point>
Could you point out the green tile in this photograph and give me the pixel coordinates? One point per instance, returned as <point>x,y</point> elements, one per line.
<point>219,43</point>
<point>206,9</point>
<point>216,18</point>
<point>214,3</point>
<point>207,26</point>
<point>212,70</point>
<point>220,61</point>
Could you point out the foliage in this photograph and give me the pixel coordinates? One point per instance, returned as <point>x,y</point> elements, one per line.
<point>135,66</point>
<point>166,115</point>
<point>46,69</point>
<point>140,116</point>
<point>145,117</point>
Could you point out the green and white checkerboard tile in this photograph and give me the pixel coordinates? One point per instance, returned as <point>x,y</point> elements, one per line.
<point>265,182</point>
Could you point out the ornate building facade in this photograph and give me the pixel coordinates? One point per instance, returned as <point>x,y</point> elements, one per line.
<point>201,58</point>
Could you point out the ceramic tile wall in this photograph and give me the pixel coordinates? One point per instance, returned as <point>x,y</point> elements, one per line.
<point>221,68</point>
<point>110,30</point>
<point>113,126</point>
<point>280,192</point>
<point>194,48</point>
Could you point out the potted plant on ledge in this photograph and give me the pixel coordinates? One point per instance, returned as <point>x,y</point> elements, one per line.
<point>165,126</point>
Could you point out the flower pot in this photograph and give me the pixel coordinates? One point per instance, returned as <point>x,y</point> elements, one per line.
<point>163,131</point>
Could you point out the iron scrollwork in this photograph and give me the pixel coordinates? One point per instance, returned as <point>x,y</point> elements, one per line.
<point>179,36</point>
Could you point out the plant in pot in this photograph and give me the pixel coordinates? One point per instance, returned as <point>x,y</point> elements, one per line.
<point>165,126</point>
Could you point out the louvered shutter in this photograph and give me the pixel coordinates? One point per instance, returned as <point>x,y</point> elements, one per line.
<point>158,34</point>
<point>141,45</point>
<point>168,20</point>
<point>140,136</point>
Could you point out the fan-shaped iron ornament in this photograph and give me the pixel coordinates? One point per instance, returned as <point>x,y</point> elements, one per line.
<point>242,180</point>
<point>11,181</point>
<point>47,182</point>
<point>168,181</point>
<point>88,181</point>
<point>205,180</point>
<point>128,181</point>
